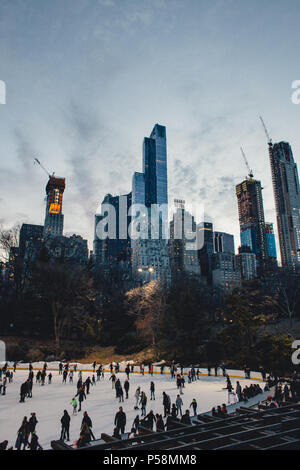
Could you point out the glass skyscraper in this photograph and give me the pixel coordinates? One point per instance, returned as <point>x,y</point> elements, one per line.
<point>287,201</point>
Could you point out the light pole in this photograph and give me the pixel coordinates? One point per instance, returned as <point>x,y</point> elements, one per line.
<point>150,270</point>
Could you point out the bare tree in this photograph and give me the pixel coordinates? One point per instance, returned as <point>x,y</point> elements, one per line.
<point>288,292</point>
<point>9,238</point>
<point>147,304</point>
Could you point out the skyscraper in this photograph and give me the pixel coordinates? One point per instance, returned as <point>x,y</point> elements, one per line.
<point>251,217</point>
<point>29,232</point>
<point>223,242</point>
<point>270,239</point>
<point>155,166</point>
<point>149,188</point>
<point>287,201</point>
<point>110,251</point>
<point>54,219</point>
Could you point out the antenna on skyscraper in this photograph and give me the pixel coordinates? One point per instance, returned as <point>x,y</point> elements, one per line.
<point>250,172</point>
<point>266,130</point>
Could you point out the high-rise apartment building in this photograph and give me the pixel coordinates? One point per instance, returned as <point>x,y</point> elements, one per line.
<point>54,219</point>
<point>251,217</point>
<point>287,201</point>
<point>29,232</point>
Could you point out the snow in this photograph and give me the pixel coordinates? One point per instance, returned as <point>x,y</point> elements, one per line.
<point>49,401</point>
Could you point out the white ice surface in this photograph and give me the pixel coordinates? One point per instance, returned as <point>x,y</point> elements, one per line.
<point>49,401</point>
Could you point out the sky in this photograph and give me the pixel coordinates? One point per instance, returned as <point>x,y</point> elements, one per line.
<point>86,80</point>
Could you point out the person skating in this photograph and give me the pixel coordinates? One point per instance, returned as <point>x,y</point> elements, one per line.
<point>120,393</point>
<point>166,404</point>
<point>32,423</point>
<point>113,380</point>
<point>94,366</point>
<point>85,436</point>
<point>126,387</point>
<point>21,434</point>
<point>87,385</point>
<point>150,420</point>
<point>23,391</point>
<point>194,406</point>
<point>137,396</point>
<point>136,422</point>
<point>65,426</point>
<point>160,425</point>
<point>152,391</point>
<point>74,404</point>
<point>60,368</point>
<point>49,378</point>
<point>179,404</point>
<point>143,403</point>
<point>65,374</point>
<point>81,396</point>
<point>120,420</point>
<point>34,443</point>
<point>87,420</point>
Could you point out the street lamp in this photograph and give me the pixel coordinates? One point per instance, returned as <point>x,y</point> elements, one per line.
<point>150,270</point>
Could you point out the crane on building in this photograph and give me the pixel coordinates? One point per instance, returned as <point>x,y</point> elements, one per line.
<point>266,131</point>
<point>43,168</point>
<point>250,172</point>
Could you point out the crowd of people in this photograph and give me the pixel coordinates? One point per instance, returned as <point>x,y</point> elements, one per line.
<point>172,413</point>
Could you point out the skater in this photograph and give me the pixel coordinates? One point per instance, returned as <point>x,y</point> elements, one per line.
<point>136,422</point>
<point>65,426</point>
<point>32,423</point>
<point>152,391</point>
<point>120,420</point>
<point>87,420</point>
<point>150,420</point>
<point>23,391</point>
<point>74,404</point>
<point>87,385</point>
<point>126,387</point>
<point>143,403</point>
<point>179,404</point>
<point>113,380</point>
<point>49,378</point>
<point>166,404</point>
<point>194,405</point>
<point>81,396</point>
<point>160,425</point>
<point>34,443</point>
<point>137,396</point>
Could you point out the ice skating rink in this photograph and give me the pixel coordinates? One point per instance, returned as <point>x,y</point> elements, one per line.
<point>49,401</point>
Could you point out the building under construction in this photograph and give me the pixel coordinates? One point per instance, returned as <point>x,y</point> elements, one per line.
<point>54,219</point>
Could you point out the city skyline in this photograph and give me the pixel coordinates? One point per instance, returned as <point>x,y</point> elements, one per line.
<point>85,107</point>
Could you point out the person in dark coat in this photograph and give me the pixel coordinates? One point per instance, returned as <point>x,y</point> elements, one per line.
<point>87,420</point>
<point>120,420</point>
<point>186,419</point>
<point>23,392</point>
<point>160,425</point>
<point>126,387</point>
<point>150,420</point>
<point>81,396</point>
<point>65,426</point>
<point>32,423</point>
<point>34,443</point>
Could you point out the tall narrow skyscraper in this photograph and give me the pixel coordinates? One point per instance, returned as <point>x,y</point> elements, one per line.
<point>149,188</point>
<point>287,201</point>
<point>251,217</point>
<point>54,219</point>
<point>155,166</point>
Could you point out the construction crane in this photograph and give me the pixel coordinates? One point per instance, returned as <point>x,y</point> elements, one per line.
<point>266,130</point>
<point>250,172</point>
<point>43,168</point>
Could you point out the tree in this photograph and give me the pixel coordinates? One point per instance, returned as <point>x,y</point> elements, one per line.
<point>67,288</point>
<point>147,304</point>
<point>9,238</point>
<point>287,284</point>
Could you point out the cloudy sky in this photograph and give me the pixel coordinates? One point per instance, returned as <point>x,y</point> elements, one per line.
<point>87,80</point>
